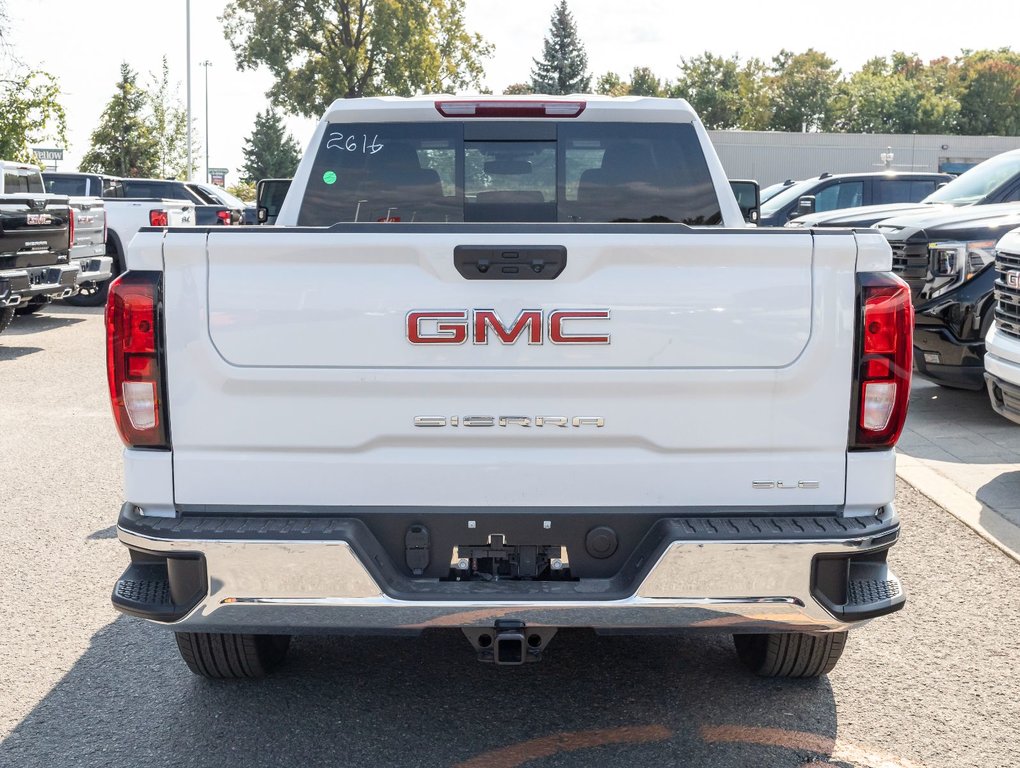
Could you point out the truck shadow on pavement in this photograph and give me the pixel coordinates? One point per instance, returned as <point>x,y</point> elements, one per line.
<point>425,701</point>
<point>26,325</point>
<point>13,353</point>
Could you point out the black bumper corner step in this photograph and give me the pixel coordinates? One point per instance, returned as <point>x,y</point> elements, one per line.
<point>858,587</point>
<point>872,590</point>
<point>161,589</point>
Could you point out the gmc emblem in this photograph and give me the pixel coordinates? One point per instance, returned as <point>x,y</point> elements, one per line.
<point>560,326</point>
<point>1013,279</point>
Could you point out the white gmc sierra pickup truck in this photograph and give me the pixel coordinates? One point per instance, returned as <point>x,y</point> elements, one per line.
<point>509,366</point>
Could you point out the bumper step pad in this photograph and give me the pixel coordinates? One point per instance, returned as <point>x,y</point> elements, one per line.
<point>148,589</point>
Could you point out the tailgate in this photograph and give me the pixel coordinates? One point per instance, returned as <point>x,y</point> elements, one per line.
<point>683,369</point>
<point>30,231</point>
<point>89,226</point>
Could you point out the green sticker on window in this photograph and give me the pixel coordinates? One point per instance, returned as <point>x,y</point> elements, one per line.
<point>329,177</point>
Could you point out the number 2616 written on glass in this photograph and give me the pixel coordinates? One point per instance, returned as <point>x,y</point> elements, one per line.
<point>354,143</point>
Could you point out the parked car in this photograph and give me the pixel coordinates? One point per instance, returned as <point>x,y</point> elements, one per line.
<point>847,190</point>
<point>939,250</point>
<point>956,304</point>
<point>207,211</point>
<point>89,248</point>
<point>609,403</point>
<point>245,213</point>
<point>124,217</point>
<point>1002,361</point>
<point>996,180</point>
<point>36,231</point>
<point>774,189</point>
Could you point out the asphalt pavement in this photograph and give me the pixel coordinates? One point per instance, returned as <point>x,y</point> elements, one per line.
<point>933,685</point>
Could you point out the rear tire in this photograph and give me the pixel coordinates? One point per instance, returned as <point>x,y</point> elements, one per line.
<point>795,654</point>
<point>231,656</point>
<point>6,315</point>
<point>91,295</point>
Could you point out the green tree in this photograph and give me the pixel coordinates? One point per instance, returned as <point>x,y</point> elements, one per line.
<point>803,87</point>
<point>31,114</point>
<point>517,89</point>
<point>326,49</point>
<point>169,123</point>
<point>270,152</point>
<point>123,143</point>
<point>563,67</point>
<point>245,190</point>
<point>990,101</point>
<point>711,84</point>
<point>611,84</point>
<point>754,96</point>
<point>643,82</point>
<point>897,95</point>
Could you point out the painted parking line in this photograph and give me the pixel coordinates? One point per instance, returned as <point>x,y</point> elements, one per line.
<point>804,741</point>
<point>518,754</point>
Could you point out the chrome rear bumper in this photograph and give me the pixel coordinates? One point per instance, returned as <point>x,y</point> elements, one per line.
<point>295,586</point>
<point>95,269</point>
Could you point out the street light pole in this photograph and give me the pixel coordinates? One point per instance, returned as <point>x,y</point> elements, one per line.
<point>187,65</point>
<point>206,64</point>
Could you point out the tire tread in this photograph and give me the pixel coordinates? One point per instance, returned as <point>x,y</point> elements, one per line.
<point>793,654</point>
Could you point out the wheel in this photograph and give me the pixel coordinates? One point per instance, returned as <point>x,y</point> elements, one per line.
<point>91,294</point>
<point>6,315</point>
<point>795,654</point>
<point>230,656</point>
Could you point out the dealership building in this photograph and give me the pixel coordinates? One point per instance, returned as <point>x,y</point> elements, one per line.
<point>770,156</point>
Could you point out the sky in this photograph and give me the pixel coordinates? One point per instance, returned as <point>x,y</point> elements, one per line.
<point>83,45</point>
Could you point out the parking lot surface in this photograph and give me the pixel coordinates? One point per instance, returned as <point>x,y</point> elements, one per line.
<point>933,685</point>
<point>966,457</point>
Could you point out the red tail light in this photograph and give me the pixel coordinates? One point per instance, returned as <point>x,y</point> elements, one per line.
<point>885,359</point>
<point>159,218</point>
<point>224,217</point>
<point>529,108</point>
<point>71,216</point>
<point>133,360</point>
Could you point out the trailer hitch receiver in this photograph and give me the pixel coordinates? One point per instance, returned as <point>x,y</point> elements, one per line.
<point>509,642</point>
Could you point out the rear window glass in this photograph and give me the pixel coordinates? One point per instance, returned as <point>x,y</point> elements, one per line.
<point>70,186</point>
<point>18,180</point>
<point>904,191</point>
<point>158,190</point>
<point>577,172</point>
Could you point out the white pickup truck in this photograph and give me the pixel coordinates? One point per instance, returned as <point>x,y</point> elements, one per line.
<point>1002,345</point>
<point>123,218</point>
<point>509,366</point>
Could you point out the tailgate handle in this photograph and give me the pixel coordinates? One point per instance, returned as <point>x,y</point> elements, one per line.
<point>510,262</point>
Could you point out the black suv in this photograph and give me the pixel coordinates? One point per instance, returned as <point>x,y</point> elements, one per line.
<point>830,192</point>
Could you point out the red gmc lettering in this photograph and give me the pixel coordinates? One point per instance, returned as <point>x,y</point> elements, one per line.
<point>453,326</point>
<point>558,336</point>
<point>454,332</point>
<point>531,319</point>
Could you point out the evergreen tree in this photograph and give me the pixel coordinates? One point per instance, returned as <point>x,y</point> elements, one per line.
<point>564,64</point>
<point>123,143</point>
<point>270,152</point>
